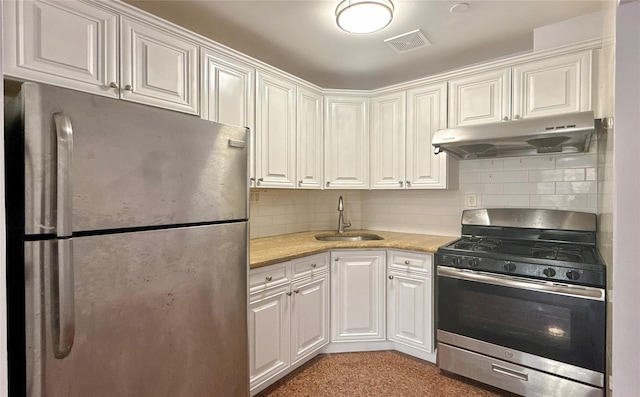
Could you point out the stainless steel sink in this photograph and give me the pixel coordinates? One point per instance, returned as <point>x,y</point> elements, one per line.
<point>349,236</point>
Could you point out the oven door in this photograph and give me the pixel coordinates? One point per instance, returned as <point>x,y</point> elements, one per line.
<point>560,322</point>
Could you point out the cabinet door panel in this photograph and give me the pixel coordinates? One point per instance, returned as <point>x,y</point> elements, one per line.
<point>347,143</point>
<point>276,144</point>
<point>309,316</point>
<point>552,86</point>
<point>480,98</point>
<point>38,47</point>
<point>158,68</point>
<point>388,141</point>
<point>228,96</point>
<point>268,334</point>
<point>410,310</point>
<point>358,296</point>
<point>427,113</point>
<point>309,139</point>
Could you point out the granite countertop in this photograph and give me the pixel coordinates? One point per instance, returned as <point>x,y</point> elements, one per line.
<point>269,250</point>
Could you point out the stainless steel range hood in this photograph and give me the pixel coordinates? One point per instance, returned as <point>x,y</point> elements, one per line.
<point>567,133</point>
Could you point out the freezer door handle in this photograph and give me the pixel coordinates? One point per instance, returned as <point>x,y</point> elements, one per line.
<point>63,302</point>
<point>237,143</point>
<point>64,151</point>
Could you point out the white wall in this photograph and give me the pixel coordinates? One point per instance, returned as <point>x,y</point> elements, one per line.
<point>626,218</point>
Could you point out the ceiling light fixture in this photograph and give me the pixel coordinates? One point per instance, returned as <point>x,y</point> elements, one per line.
<point>364,16</point>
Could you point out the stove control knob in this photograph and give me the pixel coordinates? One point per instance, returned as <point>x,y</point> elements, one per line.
<point>473,262</point>
<point>457,261</point>
<point>573,275</point>
<point>549,272</point>
<point>509,266</point>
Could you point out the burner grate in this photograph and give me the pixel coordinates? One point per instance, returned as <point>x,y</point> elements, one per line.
<point>479,244</point>
<point>557,252</point>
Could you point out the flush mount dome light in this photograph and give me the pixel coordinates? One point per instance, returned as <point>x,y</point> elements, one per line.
<point>364,16</point>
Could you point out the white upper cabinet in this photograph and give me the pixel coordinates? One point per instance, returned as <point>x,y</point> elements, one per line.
<point>309,140</point>
<point>549,86</point>
<point>228,95</point>
<point>275,131</point>
<point>65,43</point>
<point>346,153</point>
<point>402,125</point>
<point>77,45</point>
<point>480,98</point>
<point>388,131</point>
<point>427,113</point>
<point>158,68</point>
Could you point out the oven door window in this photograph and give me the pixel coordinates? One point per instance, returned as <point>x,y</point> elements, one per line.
<point>562,328</point>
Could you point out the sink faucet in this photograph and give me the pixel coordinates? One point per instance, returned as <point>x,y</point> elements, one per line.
<point>341,223</point>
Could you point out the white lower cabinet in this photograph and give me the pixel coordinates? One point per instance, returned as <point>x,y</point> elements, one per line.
<point>288,317</point>
<point>269,333</point>
<point>410,319</point>
<point>309,316</point>
<point>357,295</point>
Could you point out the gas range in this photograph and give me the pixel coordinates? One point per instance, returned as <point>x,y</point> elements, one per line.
<point>545,260</point>
<point>522,302</point>
<point>552,254</point>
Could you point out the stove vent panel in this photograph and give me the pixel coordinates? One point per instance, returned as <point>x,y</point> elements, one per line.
<point>408,42</point>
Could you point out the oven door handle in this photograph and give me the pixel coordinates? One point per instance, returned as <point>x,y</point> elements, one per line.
<point>576,291</point>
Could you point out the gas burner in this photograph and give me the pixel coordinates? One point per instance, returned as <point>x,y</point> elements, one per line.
<point>479,244</point>
<point>557,252</point>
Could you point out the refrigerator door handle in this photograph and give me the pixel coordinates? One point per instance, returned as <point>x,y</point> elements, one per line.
<point>237,143</point>
<point>63,300</point>
<point>64,149</point>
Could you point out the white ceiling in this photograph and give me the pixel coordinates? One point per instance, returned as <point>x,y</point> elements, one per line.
<point>301,37</point>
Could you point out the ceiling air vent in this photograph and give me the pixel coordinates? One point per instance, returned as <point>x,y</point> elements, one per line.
<point>408,42</point>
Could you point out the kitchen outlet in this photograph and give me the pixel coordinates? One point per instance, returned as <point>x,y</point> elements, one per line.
<point>471,200</point>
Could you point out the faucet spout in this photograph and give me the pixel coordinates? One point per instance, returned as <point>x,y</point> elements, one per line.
<point>342,225</point>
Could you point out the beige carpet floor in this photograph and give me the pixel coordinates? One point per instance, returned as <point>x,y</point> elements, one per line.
<point>374,374</point>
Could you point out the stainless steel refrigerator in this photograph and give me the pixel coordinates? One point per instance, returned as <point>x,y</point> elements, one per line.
<point>127,249</point>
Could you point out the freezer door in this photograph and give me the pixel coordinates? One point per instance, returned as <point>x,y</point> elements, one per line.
<point>130,165</point>
<point>157,313</point>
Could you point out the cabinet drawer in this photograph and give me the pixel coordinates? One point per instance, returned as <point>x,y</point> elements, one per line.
<point>310,265</point>
<point>408,261</point>
<point>269,276</point>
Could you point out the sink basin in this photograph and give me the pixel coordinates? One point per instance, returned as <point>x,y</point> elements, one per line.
<point>349,236</point>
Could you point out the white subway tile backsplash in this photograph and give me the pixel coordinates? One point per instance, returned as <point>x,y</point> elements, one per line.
<point>530,188</point>
<point>546,175</point>
<point>556,181</point>
<point>577,161</point>
<point>530,163</point>
<point>504,177</point>
<point>485,188</point>
<point>592,202</point>
<point>481,165</point>
<point>574,175</point>
<point>514,200</point>
<point>576,187</point>
<point>441,210</point>
<point>448,220</point>
<point>576,201</point>
<point>405,209</point>
<point>405,228</point>
<point>469,177</point>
